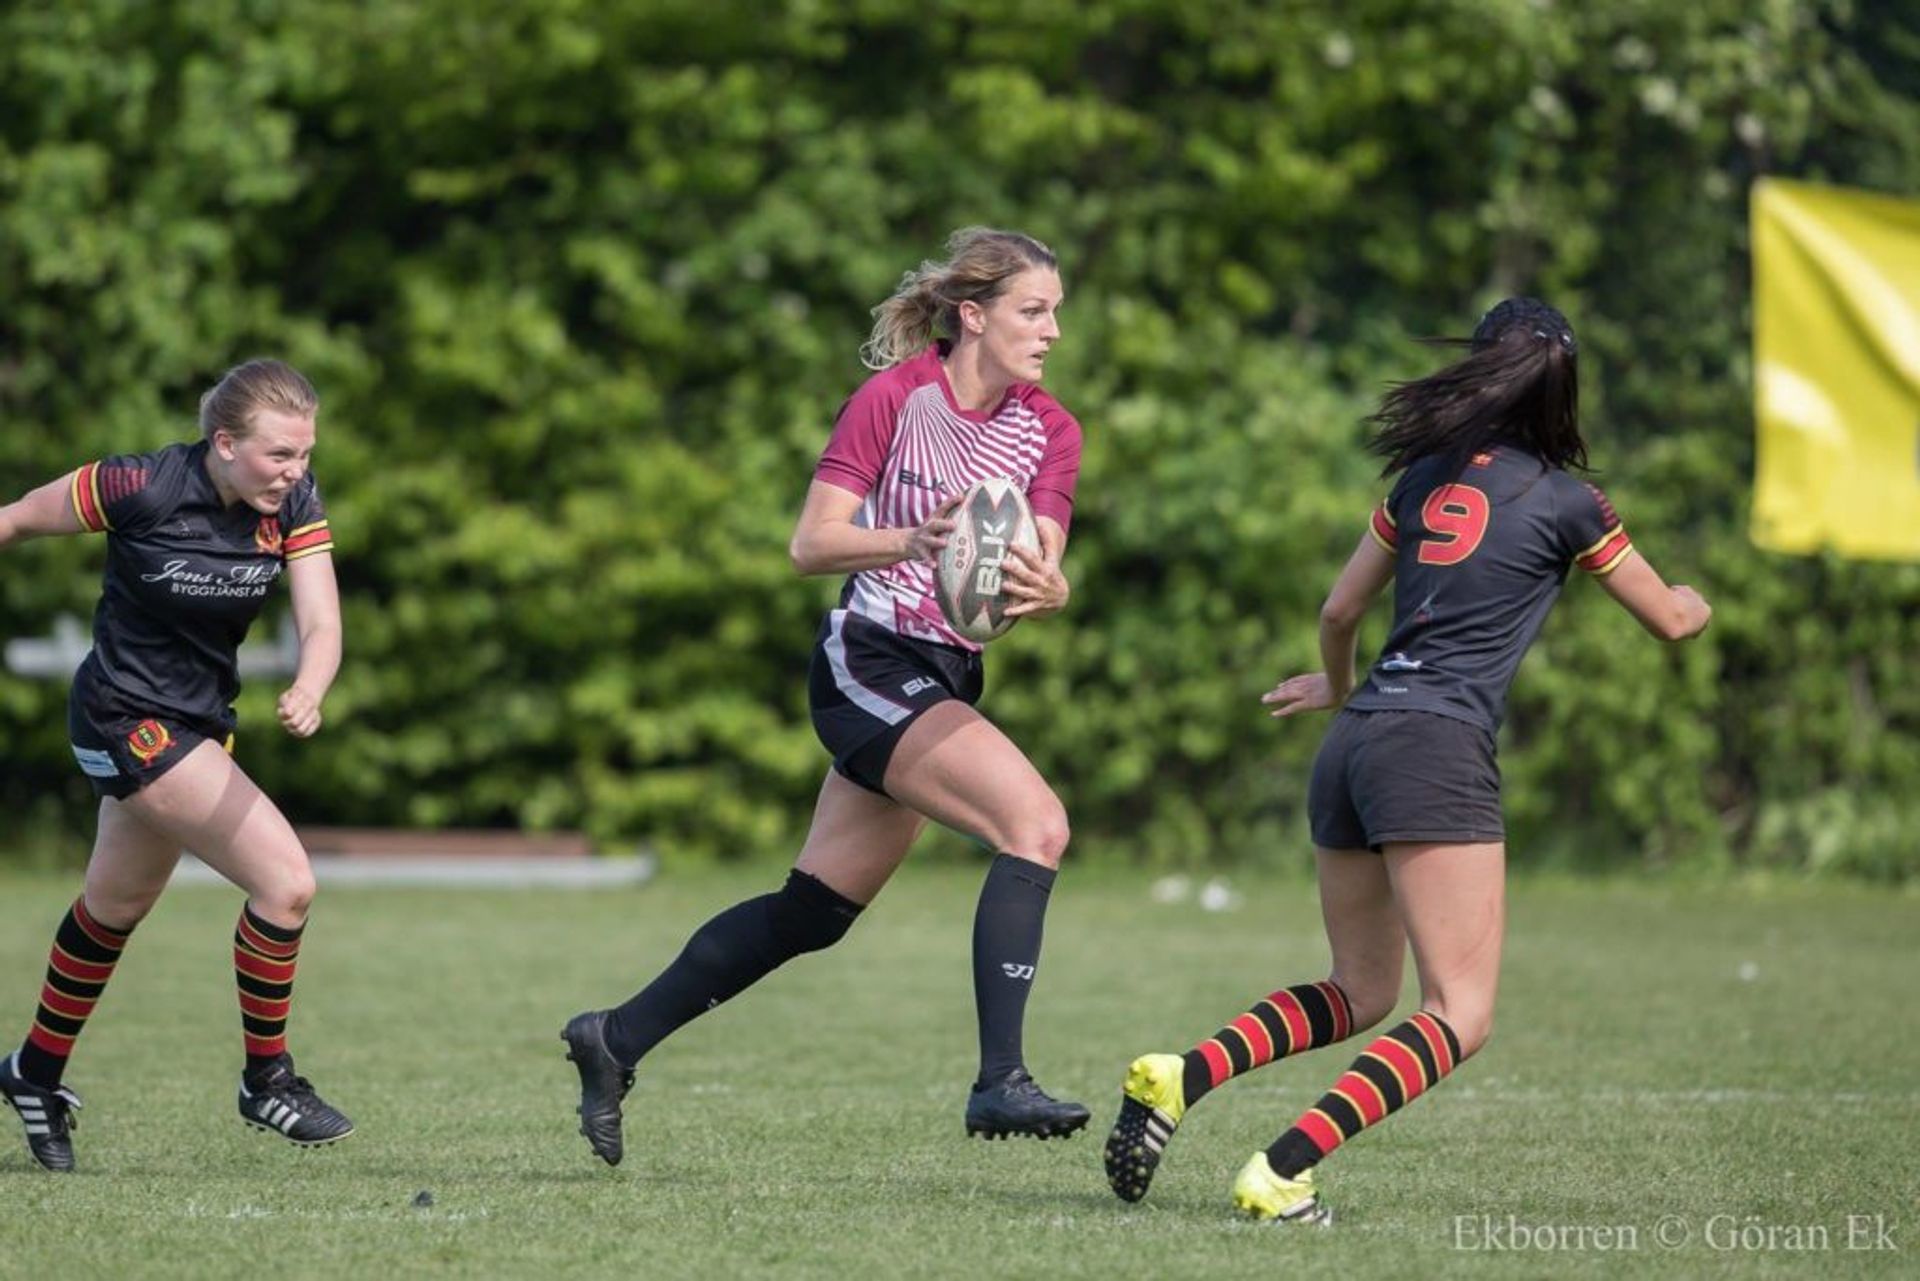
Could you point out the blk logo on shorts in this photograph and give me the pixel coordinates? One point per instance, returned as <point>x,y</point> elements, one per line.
<point>917,684</point>
<point>148,740</point>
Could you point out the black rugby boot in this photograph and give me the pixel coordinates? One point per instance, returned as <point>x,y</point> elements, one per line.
<point>280,1102</point>
<point>604,1082</point>
<point>1015,1105</point>
<point>47,1114</point>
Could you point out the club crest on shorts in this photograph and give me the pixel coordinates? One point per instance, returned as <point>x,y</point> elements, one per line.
<point>147,740</point>
<point>267,537</point>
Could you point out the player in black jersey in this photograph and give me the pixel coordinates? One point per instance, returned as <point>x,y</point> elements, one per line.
<point>196,536</point>
<point>1477,536</point>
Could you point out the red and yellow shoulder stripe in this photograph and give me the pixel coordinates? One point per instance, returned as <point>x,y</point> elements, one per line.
<point>1606,554</point>
<point>1384,531</point>
<point>97,486</point>
<point>307,541</point>
<point>84,492</point>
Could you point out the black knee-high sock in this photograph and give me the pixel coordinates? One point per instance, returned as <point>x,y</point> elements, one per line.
<point>1006,950</point>
<point>728,955</point>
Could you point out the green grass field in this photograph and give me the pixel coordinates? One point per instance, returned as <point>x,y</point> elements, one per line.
<point>1722,1058</point>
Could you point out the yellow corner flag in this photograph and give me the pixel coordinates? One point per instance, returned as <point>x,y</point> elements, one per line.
<point>1836,354</point>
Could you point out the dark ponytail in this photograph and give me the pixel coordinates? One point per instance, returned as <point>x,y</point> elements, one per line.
<point>1519,383</point>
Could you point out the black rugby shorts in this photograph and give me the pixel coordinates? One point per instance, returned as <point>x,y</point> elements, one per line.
<point>869,683</point>
<point>122,750</point>
<point>1404,776</point>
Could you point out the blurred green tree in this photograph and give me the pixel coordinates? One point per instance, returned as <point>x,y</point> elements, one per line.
<point>582,285</point>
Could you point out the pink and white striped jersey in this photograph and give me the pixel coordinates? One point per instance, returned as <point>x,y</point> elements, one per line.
<point>904,445</point>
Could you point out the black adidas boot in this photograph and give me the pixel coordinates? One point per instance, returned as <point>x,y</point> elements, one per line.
<point>47,1114</point>
<point>279,1102</point>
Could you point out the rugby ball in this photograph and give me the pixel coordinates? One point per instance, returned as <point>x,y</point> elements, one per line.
<point>993,517</point>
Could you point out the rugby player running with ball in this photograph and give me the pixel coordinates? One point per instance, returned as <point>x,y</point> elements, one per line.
<point>960,349</point>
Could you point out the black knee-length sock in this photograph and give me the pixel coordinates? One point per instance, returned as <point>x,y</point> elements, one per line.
<point>1006,950</point>
<point>728,955</point>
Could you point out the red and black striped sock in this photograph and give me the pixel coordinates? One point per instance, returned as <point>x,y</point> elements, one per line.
<point>1401,1065</point>
<point>78,966</point>
<point>1287,1022</point>
<point>264,956</point>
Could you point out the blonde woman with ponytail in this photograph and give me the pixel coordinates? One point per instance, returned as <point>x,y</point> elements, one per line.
<point>959,352</point>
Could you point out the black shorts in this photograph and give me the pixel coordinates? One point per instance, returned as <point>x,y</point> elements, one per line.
<point>1404,776</point>
<point>868,684</point>
<point>121,749</point>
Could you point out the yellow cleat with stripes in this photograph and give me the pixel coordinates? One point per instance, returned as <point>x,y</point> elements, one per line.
<point>1152,1102</point>
<point>1261,1194</point>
